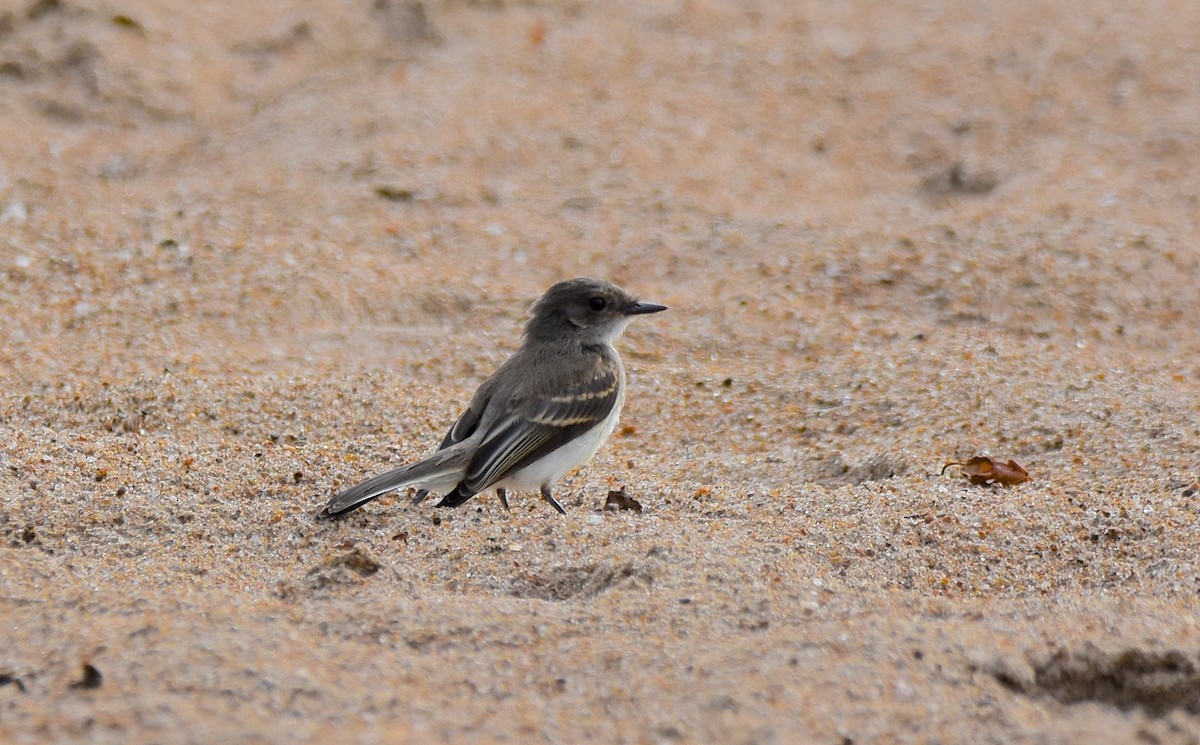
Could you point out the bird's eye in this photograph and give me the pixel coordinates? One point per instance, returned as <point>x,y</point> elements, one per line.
<point>596,303</point>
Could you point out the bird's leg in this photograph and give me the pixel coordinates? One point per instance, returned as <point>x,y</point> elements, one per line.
<point>503,497</point>
<point>419,497</point>
<point>546,495</point>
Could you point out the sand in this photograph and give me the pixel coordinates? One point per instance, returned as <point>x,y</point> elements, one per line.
<point>253,253</point>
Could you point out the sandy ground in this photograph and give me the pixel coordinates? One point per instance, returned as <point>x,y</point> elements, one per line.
<point>252,253</point>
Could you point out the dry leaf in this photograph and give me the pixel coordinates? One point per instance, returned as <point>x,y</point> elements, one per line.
<point>984,471</point>
<point>91,678</point>
<point>619,500</point>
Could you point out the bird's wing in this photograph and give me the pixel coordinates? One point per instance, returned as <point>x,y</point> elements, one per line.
<point>465,425</point>
<point>538,424</point>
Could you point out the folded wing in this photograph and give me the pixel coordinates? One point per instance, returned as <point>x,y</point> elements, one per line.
<point>538,425</point>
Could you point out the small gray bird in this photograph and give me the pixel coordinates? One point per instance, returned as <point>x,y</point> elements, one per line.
<point>543,413</point>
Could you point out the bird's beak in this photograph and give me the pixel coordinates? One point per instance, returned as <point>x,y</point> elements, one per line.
<point>639,308</point>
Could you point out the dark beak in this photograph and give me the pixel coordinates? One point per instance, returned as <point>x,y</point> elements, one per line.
<point>639,308</point>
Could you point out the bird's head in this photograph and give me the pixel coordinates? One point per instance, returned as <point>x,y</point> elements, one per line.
<point>590,310</point>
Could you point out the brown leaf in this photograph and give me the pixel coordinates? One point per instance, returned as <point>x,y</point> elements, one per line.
<point>91,678</point>
<point>984,471</point>
<point>619,500</point>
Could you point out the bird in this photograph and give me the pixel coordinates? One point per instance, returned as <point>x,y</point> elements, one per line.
<point>544,412</point>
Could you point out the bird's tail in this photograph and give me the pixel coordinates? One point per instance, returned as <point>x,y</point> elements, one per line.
<point>439,472</point>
